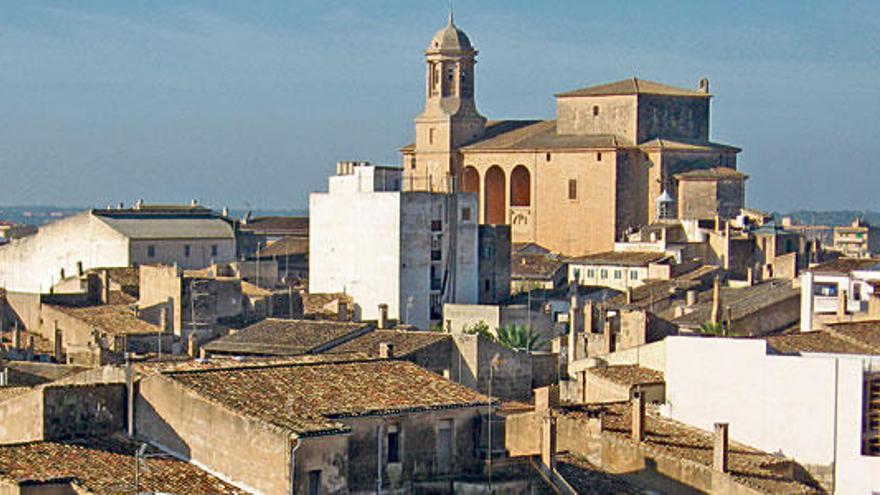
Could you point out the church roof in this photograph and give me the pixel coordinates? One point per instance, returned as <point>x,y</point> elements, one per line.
<point>715,173</point>
<point>679,144</point>
<point>450,38</point>
<point>634,86</point>
<point>537,135</point>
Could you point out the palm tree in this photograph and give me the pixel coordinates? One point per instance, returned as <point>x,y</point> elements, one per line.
<point>711,328</point>
<point>520,338</point>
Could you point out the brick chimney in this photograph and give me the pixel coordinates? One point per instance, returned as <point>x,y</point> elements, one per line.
<point>638,417</point>
<point>716,300</point>
<point>383,316</point>
<point>386,350</point>
<point>548,442</point>
<point>719,448</point>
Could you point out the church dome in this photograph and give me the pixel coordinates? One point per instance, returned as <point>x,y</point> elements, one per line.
<point>450,38</point>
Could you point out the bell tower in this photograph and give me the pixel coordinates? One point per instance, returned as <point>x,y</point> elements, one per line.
<point>450,118</point>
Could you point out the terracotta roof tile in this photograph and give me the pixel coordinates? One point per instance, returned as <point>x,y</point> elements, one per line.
<point>114,319</point>
<point>534,266</point>
<point>277,337</point>
<point>404,342</point>
<point>634,86</point>
<point>749,466</point>
<point>105,466</point>
<point>633,258</point>
<point>847,265</point>
<point>541,135</point>
<point>307,399</point>
<point>628,375</point>
<point>714,173</point>
<point>828,341</point>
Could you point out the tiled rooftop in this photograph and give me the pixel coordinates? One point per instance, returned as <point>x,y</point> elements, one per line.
<point>633,258</point>
<point>634,86</point>
<point>541,135</point>
<point>628,375</point>
<point>824,341</point>
<point>404,342</point>
<point>307,399</point>
<point>847,265</point>
<point>742,301</point>
<point>289,246</point>
<point>534,266</point>
<point>114,319</point>
<point>324,305</point>
<point>277,337</point>
<point>714,173</point>
<point>865,331</point>
<point>587,479</point>
<point>105,466</point>
<point>749,466</point>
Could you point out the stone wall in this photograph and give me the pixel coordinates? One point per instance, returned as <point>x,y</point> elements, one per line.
<point>75,411</point>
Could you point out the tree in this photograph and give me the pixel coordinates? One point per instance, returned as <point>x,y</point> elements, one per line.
<point>480,328</point>
<point>520,338</point>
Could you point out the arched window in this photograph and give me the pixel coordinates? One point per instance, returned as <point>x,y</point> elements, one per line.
<point>495,201</point>
<point>470,180</point>
<point>520,186</point>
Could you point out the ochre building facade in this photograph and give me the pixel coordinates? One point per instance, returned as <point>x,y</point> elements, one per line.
<point>575,184</point>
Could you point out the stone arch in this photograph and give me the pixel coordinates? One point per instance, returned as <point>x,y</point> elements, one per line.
<point>495,197</point>
<point>470,180</point>
<point>520,186</point>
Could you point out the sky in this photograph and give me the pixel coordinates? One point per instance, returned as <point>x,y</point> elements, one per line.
<point>249,104</point>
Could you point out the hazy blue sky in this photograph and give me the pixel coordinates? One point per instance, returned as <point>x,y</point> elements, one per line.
<point>252,102</point>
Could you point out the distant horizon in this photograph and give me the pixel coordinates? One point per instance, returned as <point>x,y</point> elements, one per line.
<point>253,104</point>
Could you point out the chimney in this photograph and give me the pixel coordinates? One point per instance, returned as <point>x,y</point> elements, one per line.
<point>129,389</point>
<point>383,316</point>
<point>4,376</point>
<point>629,295</point>
<point>548,442</point>
<point>203,354</point>
<point>105,287</point>
<point>716,300</point>
<point>750,276</point>
<point>690,297</point>
<point>16,336</point>
<point>342,311</point>
<point>638,417</point>
<point>703,86</point>
<point>386,350</point>
<point>79,268</point>
<point>608,336</point>
<point>163,318</point>
<point>192,346</point>
<point>59,349</point>
<point>30,347</point>
<point>841,303</point>
<point>719,449</point>
<point>546,398</point>
<point>717,223</point>
<point>588,316</point>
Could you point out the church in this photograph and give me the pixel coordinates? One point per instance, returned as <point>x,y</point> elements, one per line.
<point>614,159</point>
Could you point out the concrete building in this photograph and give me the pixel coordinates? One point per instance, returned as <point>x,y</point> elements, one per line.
<point>413,251</point>
<point>858,240</point>
<point>838,290</point>
<point>575,184</point>
<point>191,237</point>
<point>337,426</point>
<point>620,270</point>
<point>811,407</point>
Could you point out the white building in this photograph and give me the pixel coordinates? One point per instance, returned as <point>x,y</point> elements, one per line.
<point>620,270</point>
<point>192,237</point>
<point>831,291</point>
<point>413,251</point>
<point>810,407</point>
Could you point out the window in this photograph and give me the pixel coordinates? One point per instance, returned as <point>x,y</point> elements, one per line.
<point>186,250</point>
<point>825,289</point>
<point>214,250</point>
<point>595,110</point>
<point>591,273</point>
<point>431,136</point>
<point>151,251</point>
<point>572,189</point>
<point>444,444</point>
<point>599,156</point>
<point>393,444</point>
<point>465,214</point>
<point>314,482</point>
<point>618,274</point>
<point>547,158</point>
<point>488,285</point>
<point>633,275</point>
<point>436,255</point>
<point>603,273</point>
<point>436,225</point>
